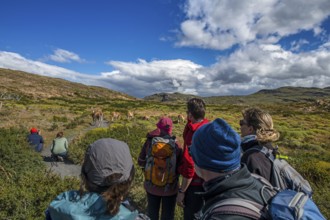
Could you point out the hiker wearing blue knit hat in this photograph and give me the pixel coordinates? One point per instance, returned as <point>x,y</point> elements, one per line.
<point>216,152</point>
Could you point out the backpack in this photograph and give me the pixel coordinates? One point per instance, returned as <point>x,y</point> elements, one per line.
<point>160,168</point>
<point>284,176</point>
<point>284,205</point>
<point>289,204</point>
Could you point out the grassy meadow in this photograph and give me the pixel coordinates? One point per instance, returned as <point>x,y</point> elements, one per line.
<point>53,105</point>
<point>27,186</point>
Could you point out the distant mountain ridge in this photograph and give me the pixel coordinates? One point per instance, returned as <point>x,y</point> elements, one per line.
<point>282,94</point>
<point>34,86</point>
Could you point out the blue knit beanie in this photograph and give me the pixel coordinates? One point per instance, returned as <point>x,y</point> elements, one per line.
<point>216,147</point>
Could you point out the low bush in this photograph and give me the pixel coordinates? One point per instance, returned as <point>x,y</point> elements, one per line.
<point>26,186</point>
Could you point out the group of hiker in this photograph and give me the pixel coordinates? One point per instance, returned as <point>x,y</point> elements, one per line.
<point>215,174</point>
<point>59,147</point>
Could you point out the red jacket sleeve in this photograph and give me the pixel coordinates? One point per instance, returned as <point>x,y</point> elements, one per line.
<point>186,167</point>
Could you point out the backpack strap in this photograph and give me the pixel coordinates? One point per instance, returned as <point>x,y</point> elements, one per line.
<point>235,206</point>
<point>267,152</point>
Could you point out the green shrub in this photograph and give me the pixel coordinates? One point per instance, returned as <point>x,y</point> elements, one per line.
<point>60,118</point>
<point>26,186</point>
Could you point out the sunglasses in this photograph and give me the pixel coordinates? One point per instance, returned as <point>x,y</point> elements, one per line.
<point>242,122</point>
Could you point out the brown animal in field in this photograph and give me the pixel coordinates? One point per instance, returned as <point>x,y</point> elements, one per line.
<point>146,117</point>
<point>130,115</point>
<point>115,116</point>
<point>97,116</point>
<point>181,118</point>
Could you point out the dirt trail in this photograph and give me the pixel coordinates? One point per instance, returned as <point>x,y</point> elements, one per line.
<point>66,168</point>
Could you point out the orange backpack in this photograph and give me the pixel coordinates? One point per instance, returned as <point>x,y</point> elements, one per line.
<point>160,168</point>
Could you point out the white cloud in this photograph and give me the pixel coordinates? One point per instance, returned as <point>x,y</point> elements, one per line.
<point>248,69</point>
<point>64,56</point>
<point>144,78</point>
<point>17,62</point>
<point>220,24</point>
<point>296,45</point>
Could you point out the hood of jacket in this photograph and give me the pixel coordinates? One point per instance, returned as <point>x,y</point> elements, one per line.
<point>70,206</point>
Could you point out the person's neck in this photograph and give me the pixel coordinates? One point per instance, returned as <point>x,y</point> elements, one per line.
<point>194,121</point>
<point>210,175</point>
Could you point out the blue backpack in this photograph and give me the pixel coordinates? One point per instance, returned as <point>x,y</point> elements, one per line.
<point>289,204</point>
<point>285,205</point>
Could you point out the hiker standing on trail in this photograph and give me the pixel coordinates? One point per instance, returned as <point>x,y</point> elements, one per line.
<point>107,174</point>
<point>159,158</point>
<point>35,140</point>
<point>257,132</point>
<point>216,152</point>
<point>192,184</point>
<point>59,148</point>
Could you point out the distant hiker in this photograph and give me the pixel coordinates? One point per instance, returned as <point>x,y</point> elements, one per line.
<point>159,158</point>
<point>216,152</point>
<point>257,131</point>
<point>60,146</point>
<point>107,174</point>
<point>35,140</point>
<point>191,185</point>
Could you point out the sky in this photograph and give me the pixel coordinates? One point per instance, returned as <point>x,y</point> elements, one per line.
<point>143,47</point>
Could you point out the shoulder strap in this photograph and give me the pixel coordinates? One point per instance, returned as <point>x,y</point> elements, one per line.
<point>235,206</point>
<point>169,137</point>
<point>267,152</point>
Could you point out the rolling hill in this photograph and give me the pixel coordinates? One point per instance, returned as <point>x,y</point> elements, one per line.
<point>18,84</point>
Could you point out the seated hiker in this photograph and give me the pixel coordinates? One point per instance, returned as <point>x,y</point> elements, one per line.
<point>161,175</point>
<point>59,148</point>
<point>35,140</point>
<point>107,174</point>
<point>216,152</point>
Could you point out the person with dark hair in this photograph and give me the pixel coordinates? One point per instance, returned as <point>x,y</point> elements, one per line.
<point>216,152</point>
<point>59,148</point>
<point>159,157</point>
<point>35,140</point>
<point>257,131</point>
<point>192,184</point>
<point>107,174</point>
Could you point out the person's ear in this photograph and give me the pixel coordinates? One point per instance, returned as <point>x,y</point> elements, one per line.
<point>251,130</point>
<point>189,115</point>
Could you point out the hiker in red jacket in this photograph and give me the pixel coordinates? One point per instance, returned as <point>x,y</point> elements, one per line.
<point>191,182</point>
